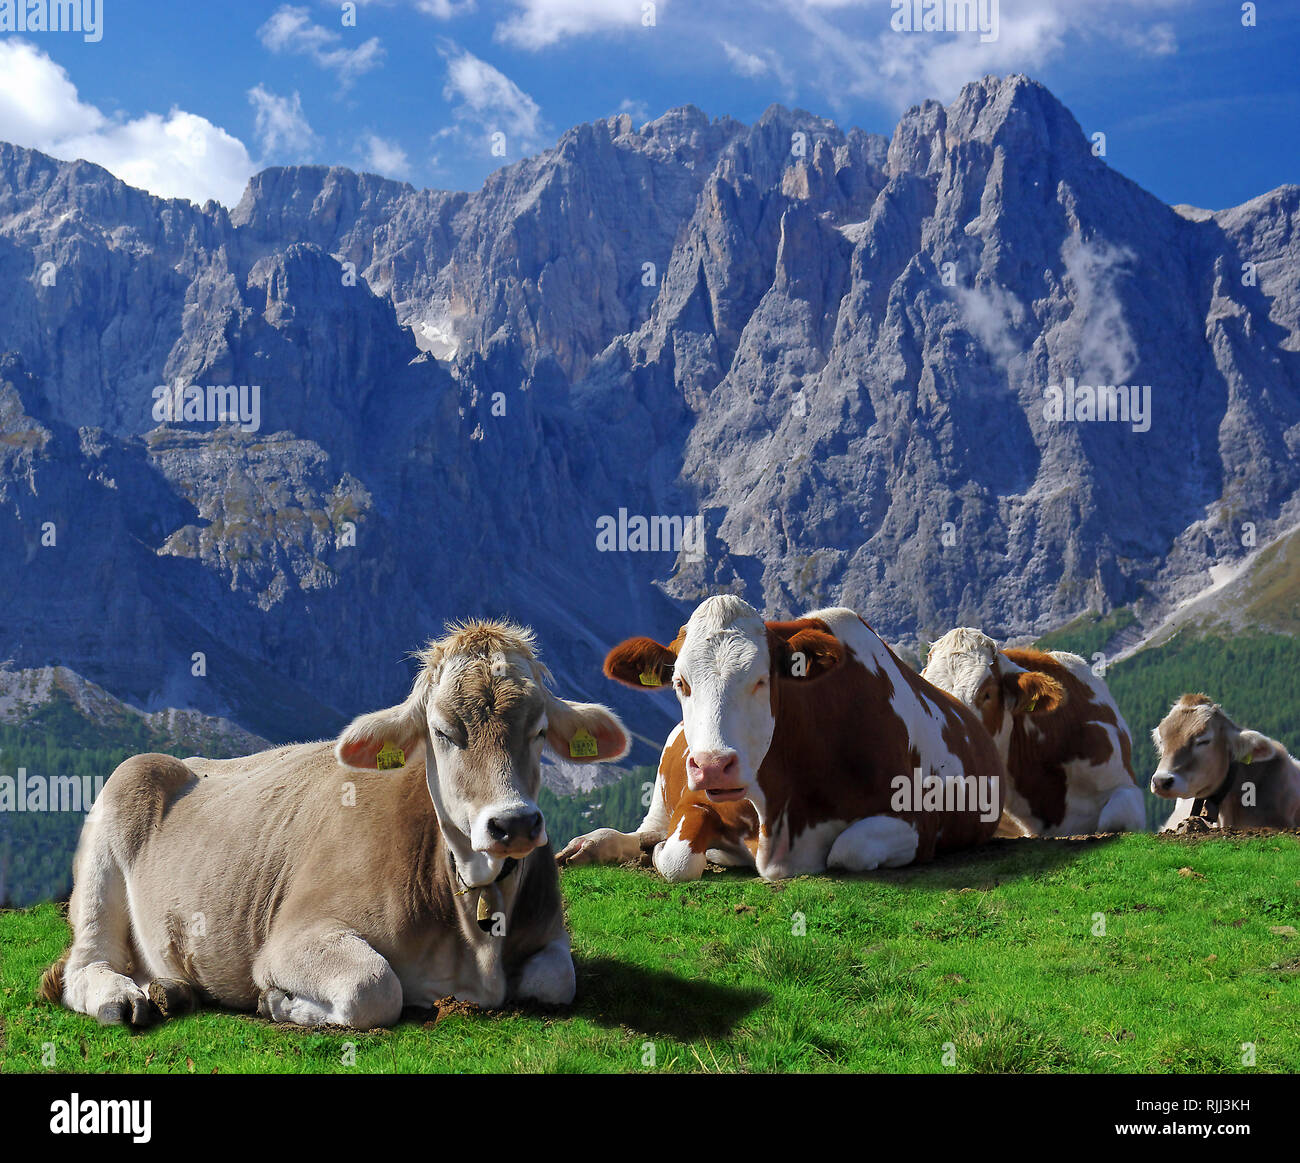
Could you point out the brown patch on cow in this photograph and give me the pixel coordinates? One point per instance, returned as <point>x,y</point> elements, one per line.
<point>810,638</point>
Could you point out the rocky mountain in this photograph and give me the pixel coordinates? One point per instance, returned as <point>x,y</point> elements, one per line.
<point>835,347</point>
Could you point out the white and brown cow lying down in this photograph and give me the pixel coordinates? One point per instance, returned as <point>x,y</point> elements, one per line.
<point>1067,749</point>
<point>288,883</point>
<point>1229,777</point>
<point>804,745</point>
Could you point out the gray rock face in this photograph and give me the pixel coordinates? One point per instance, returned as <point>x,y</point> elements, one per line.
<point>833,346</point>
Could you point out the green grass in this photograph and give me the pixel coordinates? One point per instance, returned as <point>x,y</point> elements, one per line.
<point>991,957</point>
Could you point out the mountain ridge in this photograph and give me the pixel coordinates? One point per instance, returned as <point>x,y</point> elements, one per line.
<point>832,345</point>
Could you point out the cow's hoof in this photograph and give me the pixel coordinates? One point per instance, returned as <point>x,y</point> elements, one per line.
<point>172,998</point>
<point>137,1012</point>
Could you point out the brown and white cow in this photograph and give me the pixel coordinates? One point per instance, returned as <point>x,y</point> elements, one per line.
<point>804,745</point>
<point>318,894</point>
<point>1067,749</point>
<point>1214,769</point>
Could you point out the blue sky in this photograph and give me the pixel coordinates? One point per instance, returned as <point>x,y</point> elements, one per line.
<point>189,100</point>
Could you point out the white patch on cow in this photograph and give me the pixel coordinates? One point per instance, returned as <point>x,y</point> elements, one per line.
<point>779,859</point>
<point>960,663</point>
<point>721,678</point>
<point>548,975</point>
<point>876,842</point>
<point>675,860</point>
<point>1125,811</point>
<point>737,857</point>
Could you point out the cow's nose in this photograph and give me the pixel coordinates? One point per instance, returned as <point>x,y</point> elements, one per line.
<point>518,826</point>
<point>716,769</point>
<point>1162,782</point>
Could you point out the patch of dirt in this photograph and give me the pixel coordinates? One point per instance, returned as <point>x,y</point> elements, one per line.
<point>1200,834</point>
<point>450,1007</point>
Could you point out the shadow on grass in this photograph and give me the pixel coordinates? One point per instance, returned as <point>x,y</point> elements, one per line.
<point>614,993</point>
<point>991,864</point>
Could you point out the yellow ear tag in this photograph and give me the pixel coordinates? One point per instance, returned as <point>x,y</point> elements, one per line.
<point>650,678</point>
<point>1032,704</point>
<point>390,757</point>
<point>583,744</point>
<point>1250,755</point>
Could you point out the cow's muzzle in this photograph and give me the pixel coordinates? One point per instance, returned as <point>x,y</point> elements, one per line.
<point>1163,784</point>
<point>717,774</point>
<point>515,833</point>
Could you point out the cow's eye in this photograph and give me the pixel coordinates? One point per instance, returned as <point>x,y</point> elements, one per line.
<point>444,737</point>
<point>682,687</point>
<point>541,734</point>
<point>1202,743</point>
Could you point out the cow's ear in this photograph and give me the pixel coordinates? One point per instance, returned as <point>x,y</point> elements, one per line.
<point>1031,692</point>
<point>584,732</point>
<point>1251,746</point>
<point>807,653</point>
<point>399,732</point>
<point>642,663</point>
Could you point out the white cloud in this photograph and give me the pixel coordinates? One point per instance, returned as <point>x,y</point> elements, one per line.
<point>539,23</point>
<point>484,99</point>
<point>386,157</point>
<point>291,30</point>
<point>993,314</point>
<point>903,68</point>
<point>1106,350</point>
<point>445,9</point>
<point>747,64</point>
<point>180,155</point>
<point>280,124</point>
<point>639,111</point>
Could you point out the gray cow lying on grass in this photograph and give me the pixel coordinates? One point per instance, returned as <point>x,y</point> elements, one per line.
<point>334,883</point>
<point>1222,774</point>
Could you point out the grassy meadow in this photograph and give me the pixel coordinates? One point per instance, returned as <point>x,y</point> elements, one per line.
<point>1131,954</point>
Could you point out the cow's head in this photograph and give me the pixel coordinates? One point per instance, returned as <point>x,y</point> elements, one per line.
<point>968,665</point>
<point>727,667</point>
<point>1197,743</point>
<point>482,711</point>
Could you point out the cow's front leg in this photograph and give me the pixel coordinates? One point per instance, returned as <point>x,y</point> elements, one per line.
<point>876,842</point>
<point>695,828</point>
<point>326,976</point>
<point>603,846</point>
<point>548,976</point>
